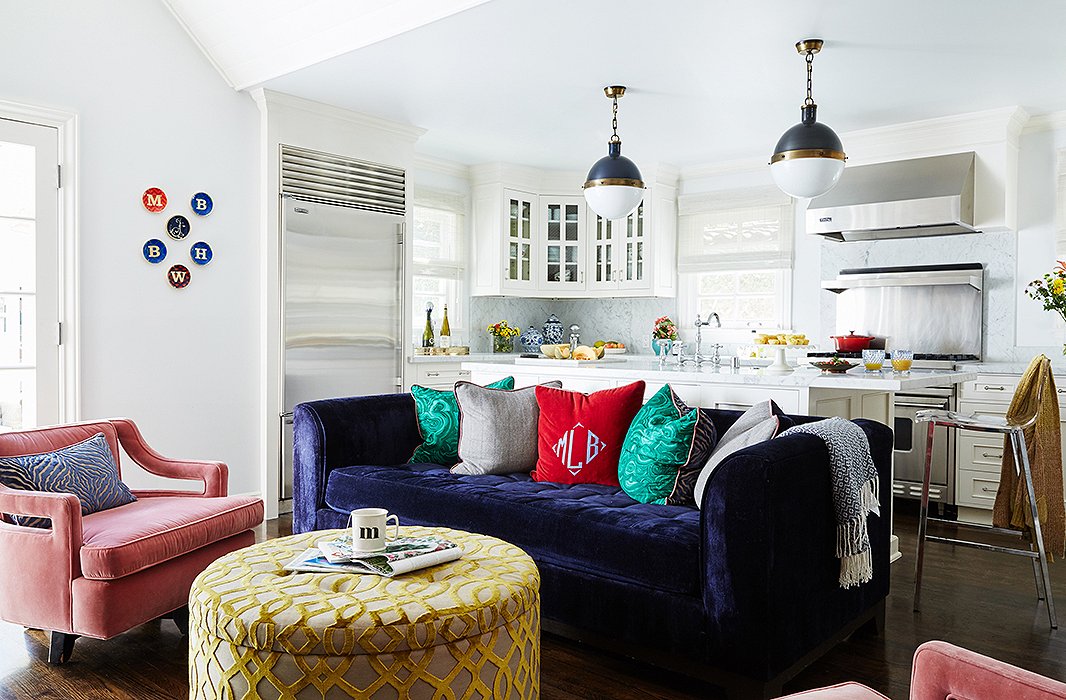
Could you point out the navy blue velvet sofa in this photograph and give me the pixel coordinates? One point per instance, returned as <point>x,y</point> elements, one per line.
<point>742,592</point>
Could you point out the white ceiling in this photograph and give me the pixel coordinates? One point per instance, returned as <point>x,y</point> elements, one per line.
<point>709,80</point>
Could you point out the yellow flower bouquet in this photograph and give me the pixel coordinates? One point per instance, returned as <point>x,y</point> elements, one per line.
<point>1051,291</point>
<point>503,335</point>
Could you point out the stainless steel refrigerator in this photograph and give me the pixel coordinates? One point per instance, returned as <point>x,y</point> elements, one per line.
<point>342,307</point>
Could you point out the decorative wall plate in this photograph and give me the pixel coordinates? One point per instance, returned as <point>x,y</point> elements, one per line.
<point>154,250</point>
<point>201,204</point>
<point>154,199</point>
<point>201,253</point>
<point>178,227</point>
<point>179,276</point>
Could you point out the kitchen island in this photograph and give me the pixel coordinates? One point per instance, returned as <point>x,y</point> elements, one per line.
<point>805,391</point>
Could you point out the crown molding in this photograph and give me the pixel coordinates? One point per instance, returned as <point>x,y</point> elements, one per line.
<point>729,167</point>
<point>269,99</point>
<point>1052,121</point>
<point>441,166</point>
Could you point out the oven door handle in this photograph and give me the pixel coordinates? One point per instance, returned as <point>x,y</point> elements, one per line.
<point>942,405</point>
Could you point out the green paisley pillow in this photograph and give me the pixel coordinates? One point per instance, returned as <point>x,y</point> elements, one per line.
<point>438,423</point>
<point>664,451</point>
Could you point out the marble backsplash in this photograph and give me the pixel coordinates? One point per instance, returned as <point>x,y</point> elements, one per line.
<point>625,319</point>
<point>998,253</point>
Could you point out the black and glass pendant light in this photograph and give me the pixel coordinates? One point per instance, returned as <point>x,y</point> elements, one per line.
<point>614,186</point>
<point>809,157</point>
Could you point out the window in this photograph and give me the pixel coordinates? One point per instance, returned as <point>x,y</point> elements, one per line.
<point>735,258</point>
<point>1060,209</point>
<point>438,270</point>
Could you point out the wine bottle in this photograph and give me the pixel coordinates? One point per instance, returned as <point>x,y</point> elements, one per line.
<point>427,333</point>
<point>445,330</point>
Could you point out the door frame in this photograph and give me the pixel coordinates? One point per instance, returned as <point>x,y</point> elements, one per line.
<point>66,125</point>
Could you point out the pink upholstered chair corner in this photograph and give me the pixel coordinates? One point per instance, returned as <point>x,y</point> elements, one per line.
<point>104,573</point>
<point>943,670</point>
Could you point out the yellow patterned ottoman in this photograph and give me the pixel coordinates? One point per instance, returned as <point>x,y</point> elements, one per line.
<point>465,629</point>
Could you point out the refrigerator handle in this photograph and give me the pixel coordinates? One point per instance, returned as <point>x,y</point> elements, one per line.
<point>401,237</point>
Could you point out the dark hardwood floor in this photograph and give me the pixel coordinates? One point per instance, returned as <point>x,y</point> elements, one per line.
<point>979,600</point>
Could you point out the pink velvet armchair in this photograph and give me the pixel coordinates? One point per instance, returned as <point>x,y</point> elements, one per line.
<point>107,572</point>
<point>943,671</point>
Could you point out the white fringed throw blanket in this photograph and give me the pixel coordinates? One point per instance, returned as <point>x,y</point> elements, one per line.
<point>855,493</point>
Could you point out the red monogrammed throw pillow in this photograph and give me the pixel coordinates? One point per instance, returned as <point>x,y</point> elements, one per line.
<point>580,436</point>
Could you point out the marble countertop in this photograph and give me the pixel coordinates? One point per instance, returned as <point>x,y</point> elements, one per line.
<point>1057,366</point>
<point>802,377</point>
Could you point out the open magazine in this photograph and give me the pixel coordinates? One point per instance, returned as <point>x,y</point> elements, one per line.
<point>400,556</point>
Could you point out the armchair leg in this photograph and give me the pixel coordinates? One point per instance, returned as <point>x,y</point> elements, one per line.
<point>60,647</point>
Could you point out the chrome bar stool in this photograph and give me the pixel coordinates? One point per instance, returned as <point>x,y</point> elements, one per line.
<point>951,419</point>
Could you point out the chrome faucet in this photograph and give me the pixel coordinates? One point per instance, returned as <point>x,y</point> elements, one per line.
<point>575,337</point>
<point>697,356</point>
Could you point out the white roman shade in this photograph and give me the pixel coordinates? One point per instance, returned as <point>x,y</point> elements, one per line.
<point>735,230</point>
<point>1060,208</point>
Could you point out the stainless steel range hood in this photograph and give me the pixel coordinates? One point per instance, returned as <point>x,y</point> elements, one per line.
<point>901,199</point>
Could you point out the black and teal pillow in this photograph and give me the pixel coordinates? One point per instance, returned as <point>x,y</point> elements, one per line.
<point>438,423</point>
<point>86,469</point>
<point>665,448</point>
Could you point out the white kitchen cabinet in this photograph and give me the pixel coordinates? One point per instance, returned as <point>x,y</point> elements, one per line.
<point>436,375</point>
<point>979,456</point>
<point>531,238</point>
<point>562,246</point>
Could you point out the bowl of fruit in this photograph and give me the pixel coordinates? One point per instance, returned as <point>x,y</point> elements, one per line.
<point>834,365</point>
<point>611,347</point>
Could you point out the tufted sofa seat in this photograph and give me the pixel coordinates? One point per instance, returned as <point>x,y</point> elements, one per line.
<point>743,592</point>
<point>634,542</point>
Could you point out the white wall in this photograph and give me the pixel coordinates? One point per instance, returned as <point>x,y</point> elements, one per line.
<point>153,112</point>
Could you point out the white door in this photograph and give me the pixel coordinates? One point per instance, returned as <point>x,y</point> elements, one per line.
<point>30,276</point>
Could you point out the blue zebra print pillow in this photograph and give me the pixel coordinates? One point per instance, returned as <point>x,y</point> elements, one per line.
<point>86,469</point>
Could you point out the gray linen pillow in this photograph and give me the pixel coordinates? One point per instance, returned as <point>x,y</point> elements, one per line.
<point>758,424</point>
<point>497,429</point>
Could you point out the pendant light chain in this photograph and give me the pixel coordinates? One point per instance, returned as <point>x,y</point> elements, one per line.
<point>614,120</point>
<point>809,102</point>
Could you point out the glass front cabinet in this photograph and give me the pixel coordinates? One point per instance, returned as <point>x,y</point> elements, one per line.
<point>519,244</point>
<point>562,244</point>
<point>528,242</point>
<point>618,250</point>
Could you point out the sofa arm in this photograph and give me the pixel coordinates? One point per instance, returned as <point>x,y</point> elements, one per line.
<point>213,475</point>
<point>47,560</point>
<point>771,588</point>
<point>346,432</point>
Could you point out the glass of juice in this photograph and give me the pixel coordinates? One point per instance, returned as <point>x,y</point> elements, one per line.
<point>873,359</point>
<point>901,361</point>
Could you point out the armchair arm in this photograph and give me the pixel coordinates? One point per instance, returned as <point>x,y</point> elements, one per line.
<point>213,475</point>
<point>46,560</point>
<point>771,588</point>
<point>346,432</point>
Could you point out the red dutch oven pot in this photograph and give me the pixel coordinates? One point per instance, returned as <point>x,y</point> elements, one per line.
<point>851,342</point>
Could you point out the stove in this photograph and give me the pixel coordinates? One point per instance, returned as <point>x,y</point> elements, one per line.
<point>922,360</point>
<point>904,307</point>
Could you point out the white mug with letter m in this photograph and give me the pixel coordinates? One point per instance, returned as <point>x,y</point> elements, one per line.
<point>369,529</point>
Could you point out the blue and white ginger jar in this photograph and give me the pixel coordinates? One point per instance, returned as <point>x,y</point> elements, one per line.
<point>553,330</point>
<point>531,339</point>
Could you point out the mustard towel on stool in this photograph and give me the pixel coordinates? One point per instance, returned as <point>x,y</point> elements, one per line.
<point>1042,443</point>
